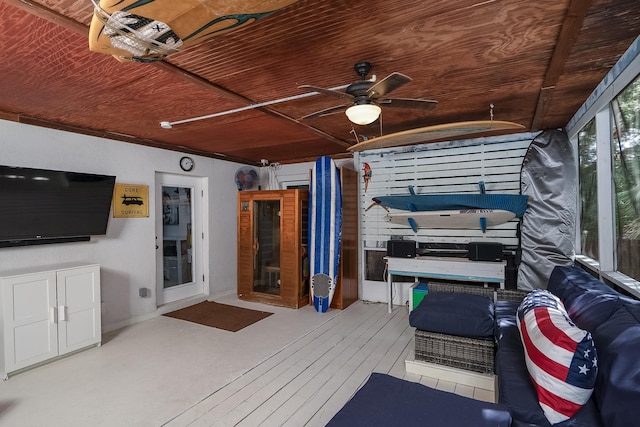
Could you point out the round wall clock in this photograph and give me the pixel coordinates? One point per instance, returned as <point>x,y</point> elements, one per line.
<point>186,163</point>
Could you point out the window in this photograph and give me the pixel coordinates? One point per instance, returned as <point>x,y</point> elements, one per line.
<point>588,190</point>
<point>606,133</point>
<point>626,177</point>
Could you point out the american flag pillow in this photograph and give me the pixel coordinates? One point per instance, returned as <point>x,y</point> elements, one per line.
<point>561,358</point>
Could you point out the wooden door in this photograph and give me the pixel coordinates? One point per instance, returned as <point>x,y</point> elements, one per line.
<point>347,287</point>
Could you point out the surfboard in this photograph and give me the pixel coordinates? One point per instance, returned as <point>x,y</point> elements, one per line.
<point>325,226</point>
<point>453,219</point>
<point>516,203</point>
<point>149,30</point>
<point>549,172</point>
<point>432,133</point>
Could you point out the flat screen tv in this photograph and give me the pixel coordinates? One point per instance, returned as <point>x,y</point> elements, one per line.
<point>39,206</point>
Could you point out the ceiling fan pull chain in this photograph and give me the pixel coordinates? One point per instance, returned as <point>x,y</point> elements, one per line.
<point>491,111</point>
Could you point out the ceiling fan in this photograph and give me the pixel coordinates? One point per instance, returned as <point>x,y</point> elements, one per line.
<point>365,97</point>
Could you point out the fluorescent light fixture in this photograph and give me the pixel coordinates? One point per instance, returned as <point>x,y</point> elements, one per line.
<point>363,114</point>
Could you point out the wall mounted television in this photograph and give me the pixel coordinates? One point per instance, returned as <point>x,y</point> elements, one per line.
<point>39,206</point>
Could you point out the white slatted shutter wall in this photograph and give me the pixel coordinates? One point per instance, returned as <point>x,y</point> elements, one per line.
<point>447,167</point>
<point>451,167</point>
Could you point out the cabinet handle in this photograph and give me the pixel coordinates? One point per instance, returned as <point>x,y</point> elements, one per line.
<point>62,316</point>
<point>52,314</point>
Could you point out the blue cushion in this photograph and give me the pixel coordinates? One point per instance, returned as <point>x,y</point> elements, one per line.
<point>506,327</point>
<point>588,301</point>
<point>454,314</point>
<point>617,389</point>
<point>388,401</point>
<point>568,281</point>
<point>591,309</point>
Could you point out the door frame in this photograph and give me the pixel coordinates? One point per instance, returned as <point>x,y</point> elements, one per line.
<point>200,238</point>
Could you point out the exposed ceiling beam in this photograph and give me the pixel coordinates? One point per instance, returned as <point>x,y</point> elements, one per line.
<point>573,21</point>
<point>50,15</point>
<point>12,117</point>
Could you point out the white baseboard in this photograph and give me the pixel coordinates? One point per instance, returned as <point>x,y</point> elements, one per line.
<point>166,308</point>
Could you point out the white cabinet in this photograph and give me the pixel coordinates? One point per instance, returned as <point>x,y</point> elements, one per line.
<point>48,314</point>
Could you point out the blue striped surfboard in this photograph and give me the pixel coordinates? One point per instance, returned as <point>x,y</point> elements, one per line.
<point>325,226</point>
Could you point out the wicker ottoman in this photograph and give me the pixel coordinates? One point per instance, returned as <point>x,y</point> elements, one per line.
<point>472,354</point>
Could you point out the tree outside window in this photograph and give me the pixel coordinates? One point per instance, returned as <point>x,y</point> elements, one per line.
<point>626,170</point>
<point>588,190</point>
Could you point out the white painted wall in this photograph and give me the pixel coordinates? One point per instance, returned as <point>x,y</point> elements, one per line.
<point>127,253</point>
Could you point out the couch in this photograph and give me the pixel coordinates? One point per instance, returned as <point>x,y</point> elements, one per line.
<point>614,323</point>
<point>612,319</point>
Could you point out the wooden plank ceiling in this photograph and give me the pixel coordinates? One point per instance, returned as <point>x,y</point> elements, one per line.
<point>535,61</point>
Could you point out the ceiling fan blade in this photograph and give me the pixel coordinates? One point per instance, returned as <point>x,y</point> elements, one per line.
<point>323,91</point>
<point>419,104</point>
<point>391,82</point>
<point>325,112</point>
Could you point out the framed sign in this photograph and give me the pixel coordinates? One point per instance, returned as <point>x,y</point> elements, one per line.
<point>130,201</point>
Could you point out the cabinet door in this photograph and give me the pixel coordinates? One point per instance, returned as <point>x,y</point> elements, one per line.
<point>30,330</point>
<point>79,322</point>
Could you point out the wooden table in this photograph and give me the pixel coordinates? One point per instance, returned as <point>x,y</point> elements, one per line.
<point>446,268</point>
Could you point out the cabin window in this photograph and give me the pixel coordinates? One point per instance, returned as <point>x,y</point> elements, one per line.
<point>588,190</point>
<point>625,110</point>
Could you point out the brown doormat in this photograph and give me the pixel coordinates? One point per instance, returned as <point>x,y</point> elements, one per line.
<point>221,316</point>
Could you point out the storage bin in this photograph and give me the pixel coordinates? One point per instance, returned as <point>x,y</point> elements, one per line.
<point>417,293</point>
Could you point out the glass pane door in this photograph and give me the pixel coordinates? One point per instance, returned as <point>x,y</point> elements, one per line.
<point>177,250</point>
<point>181,237</point>
<point>266,246</point>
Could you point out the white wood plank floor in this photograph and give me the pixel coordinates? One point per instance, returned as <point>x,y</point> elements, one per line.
<point>294,368</point>
<point>307,382</point>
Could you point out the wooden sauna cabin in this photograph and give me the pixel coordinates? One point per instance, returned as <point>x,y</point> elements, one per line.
<point>273,265</point>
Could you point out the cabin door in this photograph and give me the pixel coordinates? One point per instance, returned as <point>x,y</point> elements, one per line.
<point>179,237</point>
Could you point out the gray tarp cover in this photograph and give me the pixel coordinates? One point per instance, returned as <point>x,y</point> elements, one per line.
<point>549,177</point>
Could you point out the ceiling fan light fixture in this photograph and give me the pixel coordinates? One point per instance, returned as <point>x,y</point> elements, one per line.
<point>363,114</point>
